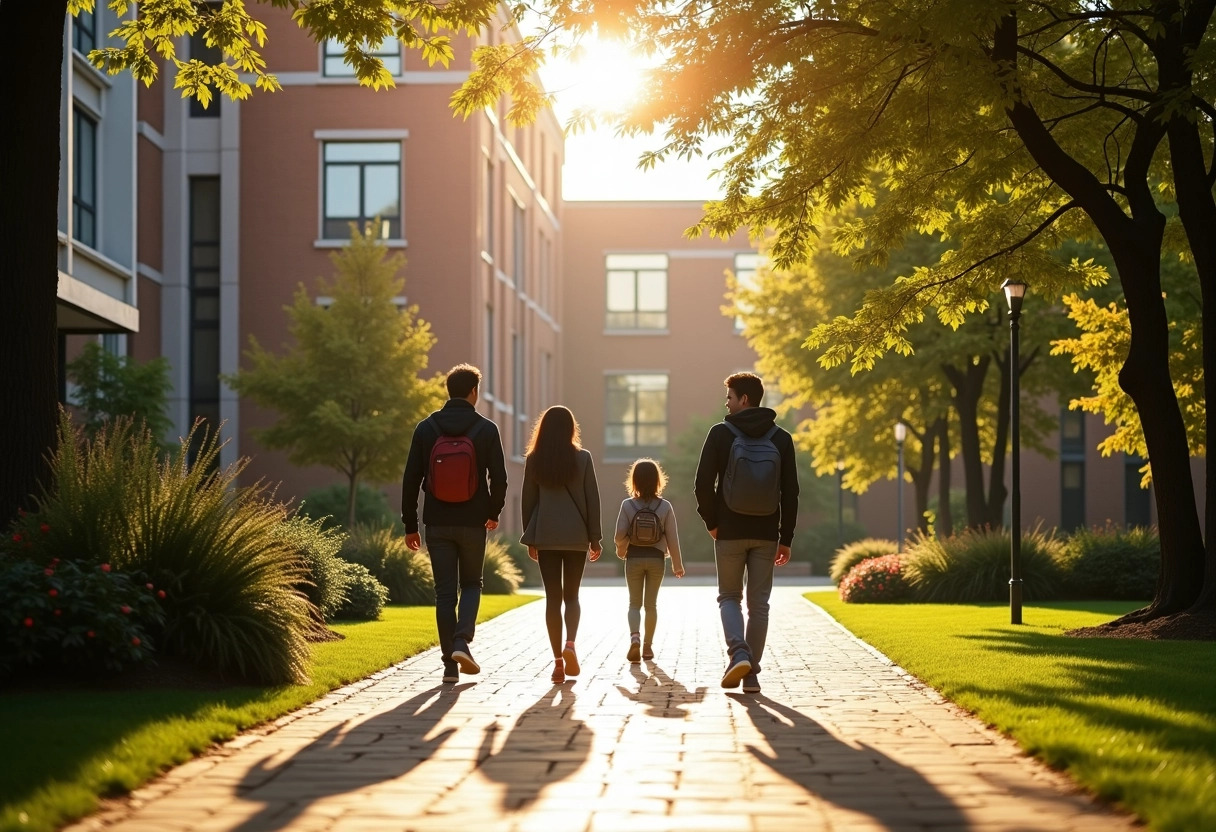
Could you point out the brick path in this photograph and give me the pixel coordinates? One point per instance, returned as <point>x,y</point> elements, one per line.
<point>839,740</point>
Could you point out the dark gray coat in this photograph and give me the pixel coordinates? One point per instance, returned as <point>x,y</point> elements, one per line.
<point>565,518</point>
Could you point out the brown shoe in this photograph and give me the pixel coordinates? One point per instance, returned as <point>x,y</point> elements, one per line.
<point>647,651</point>
<point>571,659</point>
<point>559,672</point>
<point>635,652</point>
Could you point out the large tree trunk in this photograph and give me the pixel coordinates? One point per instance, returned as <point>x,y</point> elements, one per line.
<point>994,507</point>
<point>351,499</point>
<point>968,384</point>
<point>922,478</point>
<point>29,198</point>
<point>945,517</point>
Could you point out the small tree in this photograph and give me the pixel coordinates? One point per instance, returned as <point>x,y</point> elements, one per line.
<point>351,390</point>
<point>109,385</point>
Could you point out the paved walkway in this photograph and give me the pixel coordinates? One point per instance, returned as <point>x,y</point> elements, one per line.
<point>840,739</point>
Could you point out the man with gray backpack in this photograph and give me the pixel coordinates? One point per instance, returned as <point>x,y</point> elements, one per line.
<point>747,494</point>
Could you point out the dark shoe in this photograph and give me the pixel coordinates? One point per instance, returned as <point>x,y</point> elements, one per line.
<point>559,672</point>
<point>751,683</point>
<point>738,668</point>
<point>450,672</point>
<point>571,660</point>
<point>464,660</point>
<point>647,651</point>
<point>635,652</point>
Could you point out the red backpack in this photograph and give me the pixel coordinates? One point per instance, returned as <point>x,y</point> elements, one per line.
<point>452,473</point>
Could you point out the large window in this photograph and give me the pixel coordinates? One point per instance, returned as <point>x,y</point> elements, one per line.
<point>1137,501</point>
<point>490,201</point>
<point>84,32</point>
<point>211,55</point>
<point>1072,469</point>
<point>635,418</point>
<point>519,224</point>
<point>489,379</point>
<point>362,182</point>
<point>637,291</point>
<point>746,265</point>
<point>84,178</point>
<point>334,63</point>
<point>519,394</point>
<point>205,299</point>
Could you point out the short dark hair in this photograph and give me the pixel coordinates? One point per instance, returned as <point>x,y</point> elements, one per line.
<point>462,380</point>
<point>747,384</point>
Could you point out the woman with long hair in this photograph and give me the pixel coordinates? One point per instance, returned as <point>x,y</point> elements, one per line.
<point>561,517</point>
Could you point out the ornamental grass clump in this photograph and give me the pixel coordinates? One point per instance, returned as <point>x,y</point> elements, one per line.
<point>233,602</point>
<point>501,576</point>
<point>875,580</point>
<point>317,548</point>
<point>973,566</point>
<point>406,573</point>
<point>851,554</point>
<point>1111,564</point>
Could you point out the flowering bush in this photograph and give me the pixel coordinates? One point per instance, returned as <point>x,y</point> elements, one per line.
<point>851,554</point>
<point>875,580</point>
<point>74,614</point>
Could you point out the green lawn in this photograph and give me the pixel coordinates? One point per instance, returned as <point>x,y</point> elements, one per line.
<point>1133,721</point>
<point>61,749</point>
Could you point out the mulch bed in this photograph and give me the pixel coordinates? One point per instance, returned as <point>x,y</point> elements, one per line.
<point>1183,626</point>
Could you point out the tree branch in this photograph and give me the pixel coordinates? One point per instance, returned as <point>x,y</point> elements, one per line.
<point>1082,86</point>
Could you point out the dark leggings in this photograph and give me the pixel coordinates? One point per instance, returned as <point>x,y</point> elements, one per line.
<point>561,572</point>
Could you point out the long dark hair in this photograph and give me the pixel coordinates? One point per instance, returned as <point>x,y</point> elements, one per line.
<point>554,446</point>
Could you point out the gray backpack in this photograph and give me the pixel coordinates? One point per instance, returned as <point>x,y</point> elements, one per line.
<point>752,482</point>
<point>645,529</point>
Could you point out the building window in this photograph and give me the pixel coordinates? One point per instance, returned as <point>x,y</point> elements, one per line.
<point>84,178</point>
<point>210,55</point>
<point>334,64</point>
<point>746,265</point>
<point>490,201</point>
<point>635,418</point>
<point>205,299</point>
<point>637,291</point>
<point>489,365</point>
<point>1072,469</point>
<point>362,182</point>
<point>519,393</point>
<point>84,32</point>
<point>519,244</point>
<point>1137,501</point>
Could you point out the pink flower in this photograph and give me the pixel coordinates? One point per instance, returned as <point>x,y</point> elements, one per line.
<point>48,571</point>
<point>105,567</point>
<point>125,609</point>
<point>148,585</point>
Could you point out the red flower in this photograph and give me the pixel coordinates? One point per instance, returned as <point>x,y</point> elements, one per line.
<point>105,567</point>
<point>135,641</point>
<point>160,593</point>
<point>29,622</point>
<point>17,538</point>
<point>48,570</point>
<point>149,586</point>
<point>52,592</point>
<point>58,612</point>
<point>125,609</point>
<point>90,634</point>
<point>54,561</point>
<point>21,512</point>
<point>44,528</point>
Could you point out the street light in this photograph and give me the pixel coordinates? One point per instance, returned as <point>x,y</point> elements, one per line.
<point>839,503</point>
<point>901,433</point>
<point>1015,291</point>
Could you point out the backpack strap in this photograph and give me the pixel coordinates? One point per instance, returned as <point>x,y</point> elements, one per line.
<point>733,429</point>
<point>770,433</point>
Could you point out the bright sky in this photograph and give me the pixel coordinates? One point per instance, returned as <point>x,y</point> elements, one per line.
<point>599,164</point>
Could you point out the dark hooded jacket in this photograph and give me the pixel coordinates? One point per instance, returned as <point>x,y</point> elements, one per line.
<point>456,418</point>
<point>779,526</point>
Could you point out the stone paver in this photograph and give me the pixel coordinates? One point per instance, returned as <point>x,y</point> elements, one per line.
<point>839,740</point>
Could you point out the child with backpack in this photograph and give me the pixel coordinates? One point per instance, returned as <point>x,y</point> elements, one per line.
<point>645,535</point>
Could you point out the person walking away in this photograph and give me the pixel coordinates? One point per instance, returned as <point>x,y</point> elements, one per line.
<point>747,494</point>
<point>645,535</point>
<point>456,457</point>
<point>560,508</point>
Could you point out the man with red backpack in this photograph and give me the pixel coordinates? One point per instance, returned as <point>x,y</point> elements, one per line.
<point>456,457</point>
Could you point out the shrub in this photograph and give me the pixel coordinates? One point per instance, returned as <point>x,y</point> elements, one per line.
<point>1111,563</point>
<point>109,385</point>
<point>371,507</point>
<point>365,596</point>
<point>74,615</point>
<point>317,548</point>
<point>529,571</point>
<point>820,542</point>
<point>875,580</point>
<point>501,576</point>
<point>406,574</point>
<point>854,553</point>
<point>233,605</point>
<point>973,566</point>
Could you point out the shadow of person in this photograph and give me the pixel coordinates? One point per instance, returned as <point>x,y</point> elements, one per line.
<point>348,757</point>
<point>662,695</point>
<point>546,745</point>
<point>861,780</point>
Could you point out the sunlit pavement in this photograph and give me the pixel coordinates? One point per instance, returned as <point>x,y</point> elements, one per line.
<point>839,739</point>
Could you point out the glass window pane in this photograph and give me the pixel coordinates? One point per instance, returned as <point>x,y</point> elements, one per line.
<point>333,46</point>
<point>614,436</point>
<point>1071,472</point>
<point>86,159</point>
<point>342,191</point>
<point>652,291</point>
<point>651,320</point>
<point>205,363</point>
<point>652,406</point>
<point>621,295</point>
<point>337,67</point>
<point>392,63</point>
<point>363,151</point>
<point>207,308</point>
<point>205,257</point>
<point>86,226</point>
<point>381,188</point>
<point>652,436</point>
<point>636,261</point>
<point>205,209</point>
<point>204,279</point>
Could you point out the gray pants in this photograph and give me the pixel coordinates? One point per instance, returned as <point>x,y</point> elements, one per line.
<point>735,560</point>
<point>643,576</point>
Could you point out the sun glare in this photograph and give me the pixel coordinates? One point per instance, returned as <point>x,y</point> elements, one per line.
<point>604,75</point>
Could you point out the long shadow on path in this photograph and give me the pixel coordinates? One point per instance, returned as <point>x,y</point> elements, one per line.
<point>861,780</point>
<point>546,744</point>
<point>662,695</point>
<point>347,758</point>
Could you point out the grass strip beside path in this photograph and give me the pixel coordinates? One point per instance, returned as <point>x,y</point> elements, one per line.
<point>62,749</point>
<point>1134,721</point>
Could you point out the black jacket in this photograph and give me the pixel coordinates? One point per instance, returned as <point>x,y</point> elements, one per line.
<point>779,526</point>
<point>456,418</point>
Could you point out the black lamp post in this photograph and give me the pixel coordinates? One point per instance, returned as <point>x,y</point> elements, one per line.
<point>839,503</point>
<point>901,433</point>
<point>1015,290</point>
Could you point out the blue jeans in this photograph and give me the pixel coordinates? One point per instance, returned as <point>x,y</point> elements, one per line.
<point>458,555</point>
<point>754,559</point>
